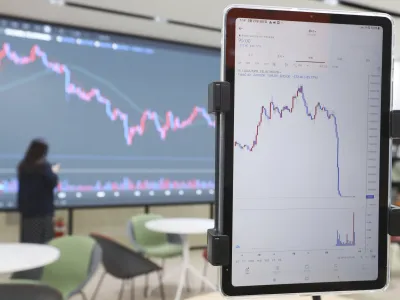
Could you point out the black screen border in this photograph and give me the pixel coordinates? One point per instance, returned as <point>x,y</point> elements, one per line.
<point>231,15</point>
<point>140,38</point>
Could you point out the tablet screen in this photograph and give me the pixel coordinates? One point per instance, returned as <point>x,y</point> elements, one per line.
<point>306,152</point>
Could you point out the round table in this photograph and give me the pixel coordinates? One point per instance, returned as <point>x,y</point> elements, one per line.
<point>184,227</point>
<point>17,257</point>
<point>219,296</point>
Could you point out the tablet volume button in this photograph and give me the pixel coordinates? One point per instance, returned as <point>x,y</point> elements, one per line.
<point>392,71</point>
<point>394,41</point>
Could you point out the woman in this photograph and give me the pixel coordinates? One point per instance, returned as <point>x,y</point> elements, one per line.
<point>37,180</point>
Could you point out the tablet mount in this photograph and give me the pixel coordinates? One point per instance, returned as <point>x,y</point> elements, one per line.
<point>218,244</point>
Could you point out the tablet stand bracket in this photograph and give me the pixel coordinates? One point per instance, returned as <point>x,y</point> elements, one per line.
<point>218,243</point>
<point>218,248</point>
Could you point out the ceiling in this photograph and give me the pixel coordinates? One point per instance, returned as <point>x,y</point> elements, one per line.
<point>392,6</point>
<point>205,13</point>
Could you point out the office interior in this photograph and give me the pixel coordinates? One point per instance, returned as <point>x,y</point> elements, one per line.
<point>177,23</point>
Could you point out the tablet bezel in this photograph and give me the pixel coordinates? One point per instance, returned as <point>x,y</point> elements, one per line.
<point>227,133</point>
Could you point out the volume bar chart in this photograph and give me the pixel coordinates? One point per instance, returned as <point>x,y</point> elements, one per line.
<point>346,240</point>
<point>126,184</point>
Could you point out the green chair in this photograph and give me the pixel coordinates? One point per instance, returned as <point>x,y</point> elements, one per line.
<point>153,244</point>
<point>150,243</point>
<point>79,258</point>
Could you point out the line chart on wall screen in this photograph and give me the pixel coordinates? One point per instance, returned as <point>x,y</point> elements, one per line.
<point>172,123</point>
<point>154,139</point>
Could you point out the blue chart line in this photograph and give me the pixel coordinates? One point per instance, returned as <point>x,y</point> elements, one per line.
<point>272,108</point>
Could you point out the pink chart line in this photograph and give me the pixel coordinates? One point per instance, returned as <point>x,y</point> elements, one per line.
<point>172,123</point>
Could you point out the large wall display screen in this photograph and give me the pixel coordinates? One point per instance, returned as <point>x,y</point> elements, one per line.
<point>125,117</point>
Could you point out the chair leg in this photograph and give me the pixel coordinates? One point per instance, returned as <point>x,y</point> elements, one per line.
<point>146,285</point>
<point>204,274</point>
<point>187,283</point>
<point>132,283</point>
<point>98,286</point>
<point>160,279</point>
<point>188,289</point>
<point>162,265</point>
<point>121,291</point>
<point>83,295</point>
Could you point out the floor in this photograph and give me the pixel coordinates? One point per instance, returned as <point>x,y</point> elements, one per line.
<point>111,286</point>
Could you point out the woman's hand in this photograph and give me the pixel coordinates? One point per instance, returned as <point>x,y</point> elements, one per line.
<point>56,168</point>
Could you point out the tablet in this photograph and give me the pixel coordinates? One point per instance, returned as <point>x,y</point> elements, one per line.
<point>305,182</point>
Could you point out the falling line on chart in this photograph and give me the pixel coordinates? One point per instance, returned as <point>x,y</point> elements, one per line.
<point>172,123</point>
<point>268,112</point>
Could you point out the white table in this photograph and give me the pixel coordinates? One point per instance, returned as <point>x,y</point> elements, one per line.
<point>184,227</point>
<point>21,257</point>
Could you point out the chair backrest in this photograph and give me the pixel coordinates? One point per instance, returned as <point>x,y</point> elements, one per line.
<point>141,236</point>
<point>15,290</point>
<point>79,258</point>
<point>122,262</point>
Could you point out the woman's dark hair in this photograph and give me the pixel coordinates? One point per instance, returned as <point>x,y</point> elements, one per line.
<point>36,151</point>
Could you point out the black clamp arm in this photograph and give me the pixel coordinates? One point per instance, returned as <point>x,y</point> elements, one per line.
<point>394,221</point>
<point>218,246</point>
<point>395,124</point>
